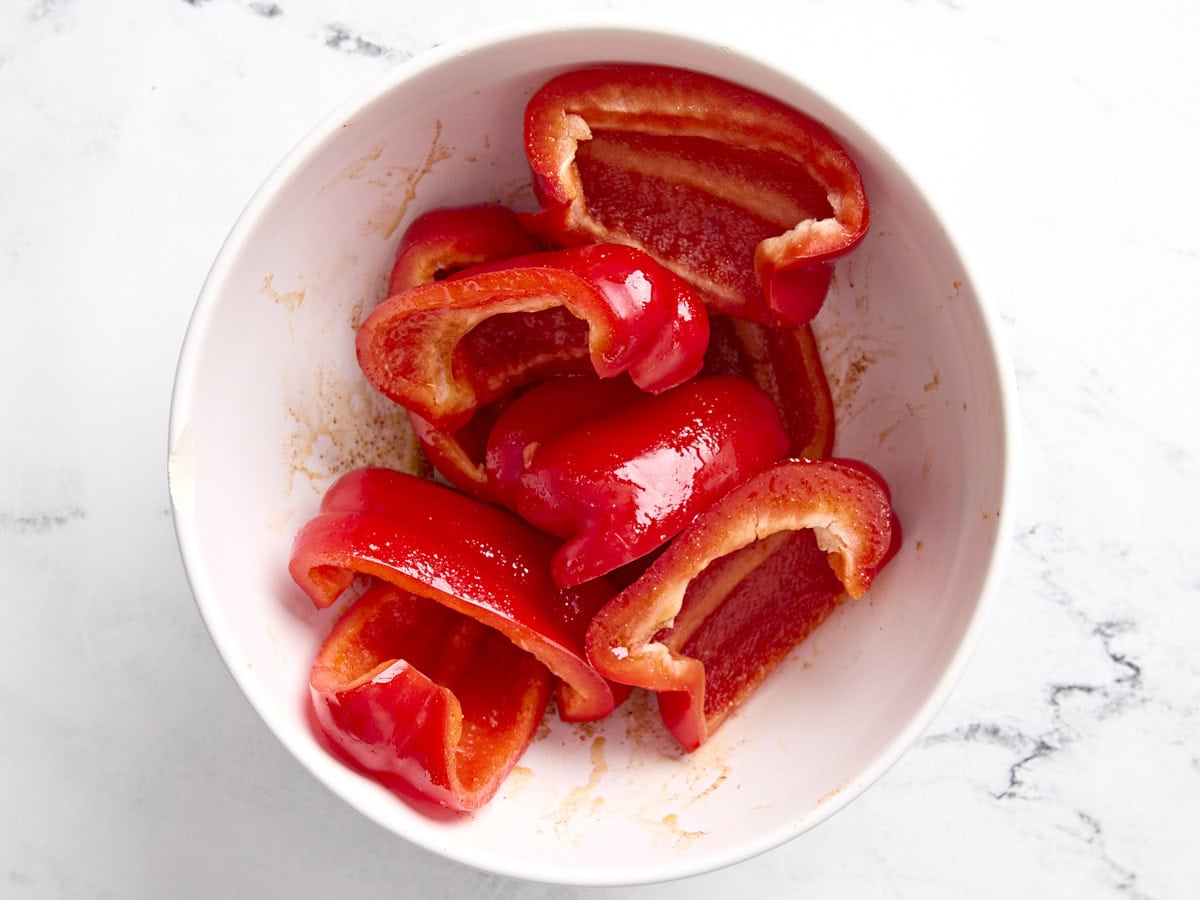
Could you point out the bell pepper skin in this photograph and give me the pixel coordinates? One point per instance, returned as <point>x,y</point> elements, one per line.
<point>619,475</point>
<point>746,198</point>
<point>786,363</point>
<point>433,704</point>
<point>449,239</point>
<point>547,411</point>
<point>446,348</point>
<point>748,580</point>
<point>470,557</point>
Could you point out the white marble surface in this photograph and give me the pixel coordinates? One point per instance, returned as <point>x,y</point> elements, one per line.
<point>1059,143</point>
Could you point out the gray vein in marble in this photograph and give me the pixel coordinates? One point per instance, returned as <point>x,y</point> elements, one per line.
<point>1037,749</point>
<point>1121,693</point>
<point>341,38</point>
<point>1043,542</point>
<point>336,35</point>
<point>38,522</point>
<point>949,4</point>
<point>45,8</point>
<point>1123,880</point>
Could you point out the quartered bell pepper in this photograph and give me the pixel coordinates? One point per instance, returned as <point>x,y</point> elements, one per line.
<point>747,581</point>
<point>444,349</point>
<point>748,199</point>
<point>618,472</point>
<point>786,363</point>
<point>473,558</point>
<point>435,705</point>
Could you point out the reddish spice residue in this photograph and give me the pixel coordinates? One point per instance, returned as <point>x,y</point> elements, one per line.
<point>339,425</point>
<point>847,381</point>
<point>681,835</point>
<point>849,354</point>
<point>583,798</point>
<point>829,795</point>
<point>392,208</point>
<point>289,300</point>
<point>357,169</point>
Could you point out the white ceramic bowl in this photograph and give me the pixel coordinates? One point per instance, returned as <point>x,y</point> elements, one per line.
<point>269,406</point>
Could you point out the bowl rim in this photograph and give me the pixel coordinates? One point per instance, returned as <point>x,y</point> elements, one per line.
<point>181,484</point>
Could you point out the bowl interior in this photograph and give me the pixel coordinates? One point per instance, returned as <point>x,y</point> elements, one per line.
<point>270,407</point>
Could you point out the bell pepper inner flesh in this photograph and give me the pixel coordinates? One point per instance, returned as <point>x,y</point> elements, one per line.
<point>703,205</point>
<point>509,350</point>
<point>786,364</point>
<point>434,704</point>
<point>651,324</point>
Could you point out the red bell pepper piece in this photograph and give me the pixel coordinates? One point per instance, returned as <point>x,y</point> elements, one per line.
<point>437,245</point>
<point>448,239</point>
<point>473,558</point>
<point>444,349</point>
<point>743,196</point>
<point>433,704</point>
<point>786,363</point>
<point>619,472</point>
<point>747,581</point>
<point>545,412</point>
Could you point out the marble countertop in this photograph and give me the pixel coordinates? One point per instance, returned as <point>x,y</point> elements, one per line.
<point>1058,141</point>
